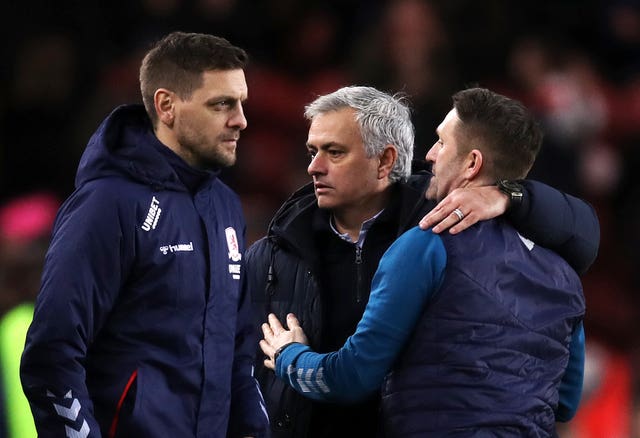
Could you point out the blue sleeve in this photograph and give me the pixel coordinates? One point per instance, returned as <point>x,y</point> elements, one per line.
<point>571,384</point>
<point>408,273</point>
<point>559,221</point>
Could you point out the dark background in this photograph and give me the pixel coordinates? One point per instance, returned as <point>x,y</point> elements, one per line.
<point>67,64</point>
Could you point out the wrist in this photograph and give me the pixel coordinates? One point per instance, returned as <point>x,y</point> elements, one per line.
<point>280,350</point>
<point>514,192</point>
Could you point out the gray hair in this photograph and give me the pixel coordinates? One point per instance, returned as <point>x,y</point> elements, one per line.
<point>383,119</point>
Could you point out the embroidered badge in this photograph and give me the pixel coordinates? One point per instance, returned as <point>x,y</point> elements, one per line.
<point>232,244</point>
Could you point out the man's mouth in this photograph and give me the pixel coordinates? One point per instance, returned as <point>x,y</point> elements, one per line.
<point>320,187</point>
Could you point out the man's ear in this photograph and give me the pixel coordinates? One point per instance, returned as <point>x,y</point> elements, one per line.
<point>164,101</point>
<point>387,160</point>
<point>475,162</point>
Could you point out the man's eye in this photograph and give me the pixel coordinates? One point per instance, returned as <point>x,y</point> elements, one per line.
<point>223,104</point>
<point>311,154</point>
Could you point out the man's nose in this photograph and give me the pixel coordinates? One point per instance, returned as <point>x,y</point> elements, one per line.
<point>316,165</point>
<point>238,120</point>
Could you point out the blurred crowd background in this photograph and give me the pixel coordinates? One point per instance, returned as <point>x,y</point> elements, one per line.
<point>576,63</point>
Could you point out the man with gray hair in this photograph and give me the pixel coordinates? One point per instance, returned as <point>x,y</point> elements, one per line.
<point>324,244</point>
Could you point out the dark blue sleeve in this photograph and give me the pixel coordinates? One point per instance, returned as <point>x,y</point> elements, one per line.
<point>84,268</point>
<point>571,385</point>
<point>558,221</point>
<point>408,273</point>
<point>248,412</point>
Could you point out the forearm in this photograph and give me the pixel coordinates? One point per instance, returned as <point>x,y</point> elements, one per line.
<point>570,389</point>
<point>400,288</point>
<point>559,221</point>
<point>349,374</point>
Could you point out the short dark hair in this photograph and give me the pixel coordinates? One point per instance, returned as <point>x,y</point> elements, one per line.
<point>177,62</point>
<point>502,128</point>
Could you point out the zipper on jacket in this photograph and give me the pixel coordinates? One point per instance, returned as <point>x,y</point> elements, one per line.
<point>123,396</point>
<point>358,274</point>
<point>270,287</point>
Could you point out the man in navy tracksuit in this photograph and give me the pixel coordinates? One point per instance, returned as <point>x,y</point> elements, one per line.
<point>140,328</point>
<point>476,334</point>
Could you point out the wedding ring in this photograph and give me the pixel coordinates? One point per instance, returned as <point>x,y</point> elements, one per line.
<point>459,213</point>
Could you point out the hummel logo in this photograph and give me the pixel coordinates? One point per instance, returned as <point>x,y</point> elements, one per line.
<point>153,215</point>
<point>175,248</point>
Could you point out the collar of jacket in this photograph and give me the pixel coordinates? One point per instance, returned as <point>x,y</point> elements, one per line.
<point>124,144</point>
<point>294,223</point>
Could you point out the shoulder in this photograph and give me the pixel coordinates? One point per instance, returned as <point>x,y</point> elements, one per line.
<point>109,205</point>
<point>97,199</point>
<point>267,250</point>
<point>260,249</point>
<point>111,194</point>
<point>417,238</point>
<point>225,192</point>
<point>417,246</point>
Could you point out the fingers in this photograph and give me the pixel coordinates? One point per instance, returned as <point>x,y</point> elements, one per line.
<point>461,225</point>
<point>268,351</point>
<point>267,348</point>
<point>292,322</point>
<point>444,216</point>
<point>275,336</point>
<point>267,332</point>
<point>275,324</point>
<point>463,207</point>
<point>455,222</point>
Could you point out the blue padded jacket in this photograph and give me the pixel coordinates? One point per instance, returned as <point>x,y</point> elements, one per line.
<point>140,328</point>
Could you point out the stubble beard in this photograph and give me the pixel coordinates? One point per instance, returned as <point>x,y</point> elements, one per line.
<point>214,158</point>
<point>432,191</point>
<point>220,158</point>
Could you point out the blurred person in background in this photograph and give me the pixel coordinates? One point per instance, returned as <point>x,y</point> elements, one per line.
<point>26,222</point>
<point>280,85</point>
<point>324,244</point>
<point>140,328</point>
<point>407,48</point>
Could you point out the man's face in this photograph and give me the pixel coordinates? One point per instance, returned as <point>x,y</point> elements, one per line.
<point>447,166</point>
<point>207,126</point>
<point>343,176</point>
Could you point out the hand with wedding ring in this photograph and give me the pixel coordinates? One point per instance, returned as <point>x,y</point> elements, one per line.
<point>464,207</point>
<point>276,336</point>
<point>458,213</point>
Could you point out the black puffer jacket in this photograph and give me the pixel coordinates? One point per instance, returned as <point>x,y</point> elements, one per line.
<point>301,266</point>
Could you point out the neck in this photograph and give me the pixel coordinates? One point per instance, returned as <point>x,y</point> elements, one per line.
<point>168,139</point>
<point>349,220</point>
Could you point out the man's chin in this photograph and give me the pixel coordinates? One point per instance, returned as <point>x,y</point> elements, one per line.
<point>222,161</point>
<point>431,194</point>
<point>229,162</point>
<point>323,202</point>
